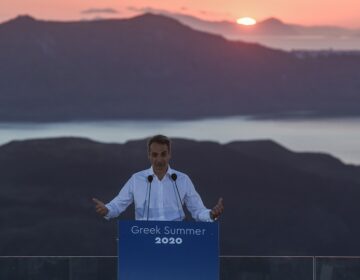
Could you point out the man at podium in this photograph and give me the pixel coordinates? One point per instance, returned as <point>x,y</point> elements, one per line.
<point>160,192</point>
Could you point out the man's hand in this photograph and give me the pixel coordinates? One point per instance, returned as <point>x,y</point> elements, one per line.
<point>217,210</point>
<point>100,207</point>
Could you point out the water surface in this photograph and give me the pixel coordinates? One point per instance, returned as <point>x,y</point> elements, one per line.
<point>337,136</point>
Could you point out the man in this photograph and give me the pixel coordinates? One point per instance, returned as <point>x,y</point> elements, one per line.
<point>159,192</point>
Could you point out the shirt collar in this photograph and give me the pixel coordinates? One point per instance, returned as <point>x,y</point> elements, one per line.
<point>168,172</point>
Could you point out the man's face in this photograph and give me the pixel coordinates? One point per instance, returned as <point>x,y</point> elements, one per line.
<point>159,156</point>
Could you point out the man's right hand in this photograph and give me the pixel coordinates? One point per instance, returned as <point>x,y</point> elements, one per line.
<point>100,207</point>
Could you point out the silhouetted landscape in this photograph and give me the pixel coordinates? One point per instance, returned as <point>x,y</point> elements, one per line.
<point>183,70</point>
<point>152,66</point>
<point>277,202</point>
<point>273,32</point>
<point>269,27</point>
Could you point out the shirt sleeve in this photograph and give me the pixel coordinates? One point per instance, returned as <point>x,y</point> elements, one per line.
<point>121,201</point>
<point>194,203</point>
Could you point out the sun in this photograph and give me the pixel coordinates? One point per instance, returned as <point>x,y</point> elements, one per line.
<point>246,21</point>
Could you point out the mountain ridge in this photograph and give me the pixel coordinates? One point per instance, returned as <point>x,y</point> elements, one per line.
<point>277,208</point>
<point>102,69</point>
<point>276,33</point>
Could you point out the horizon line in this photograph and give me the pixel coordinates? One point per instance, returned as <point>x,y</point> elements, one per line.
<point>112,17</point>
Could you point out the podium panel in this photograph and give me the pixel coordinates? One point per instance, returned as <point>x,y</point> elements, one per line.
<point>154,250</point>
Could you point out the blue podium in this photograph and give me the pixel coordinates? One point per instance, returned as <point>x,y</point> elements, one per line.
<point>153,250</point>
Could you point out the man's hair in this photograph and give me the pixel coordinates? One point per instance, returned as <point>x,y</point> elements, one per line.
<point>160,139</point>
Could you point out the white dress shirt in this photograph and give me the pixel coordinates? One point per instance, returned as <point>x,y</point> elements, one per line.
<point>160,202</point>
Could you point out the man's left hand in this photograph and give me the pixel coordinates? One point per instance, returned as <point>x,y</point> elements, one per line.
<point>217,210</point>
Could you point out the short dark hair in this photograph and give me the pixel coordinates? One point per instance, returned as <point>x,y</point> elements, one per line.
<point>160,139</point>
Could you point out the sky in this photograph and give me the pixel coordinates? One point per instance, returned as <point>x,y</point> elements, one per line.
<point>343,13</point>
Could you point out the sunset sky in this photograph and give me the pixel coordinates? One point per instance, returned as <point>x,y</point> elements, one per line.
<point>307,12</point>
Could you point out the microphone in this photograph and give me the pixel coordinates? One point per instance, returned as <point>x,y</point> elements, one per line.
<point>150,179</point>
<point>174,177</point>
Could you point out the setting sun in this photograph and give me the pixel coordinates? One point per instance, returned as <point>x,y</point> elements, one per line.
<point>246,21</point>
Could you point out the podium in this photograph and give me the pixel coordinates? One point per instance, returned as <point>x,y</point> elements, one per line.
<point>156,250</point>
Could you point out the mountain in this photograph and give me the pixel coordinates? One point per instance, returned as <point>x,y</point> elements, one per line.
<point>154,67</point>
<point>277,202</point>
<point>232,30</point>
<point>268,27</point>
<point>274,33</point>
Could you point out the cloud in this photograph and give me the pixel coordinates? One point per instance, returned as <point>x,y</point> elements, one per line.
<point>100,11</point>
<point>182,10</point>
<point>143,9</point>
<point>203,12</point>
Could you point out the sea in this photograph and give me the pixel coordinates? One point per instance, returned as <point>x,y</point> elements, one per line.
<point>339,137</point>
